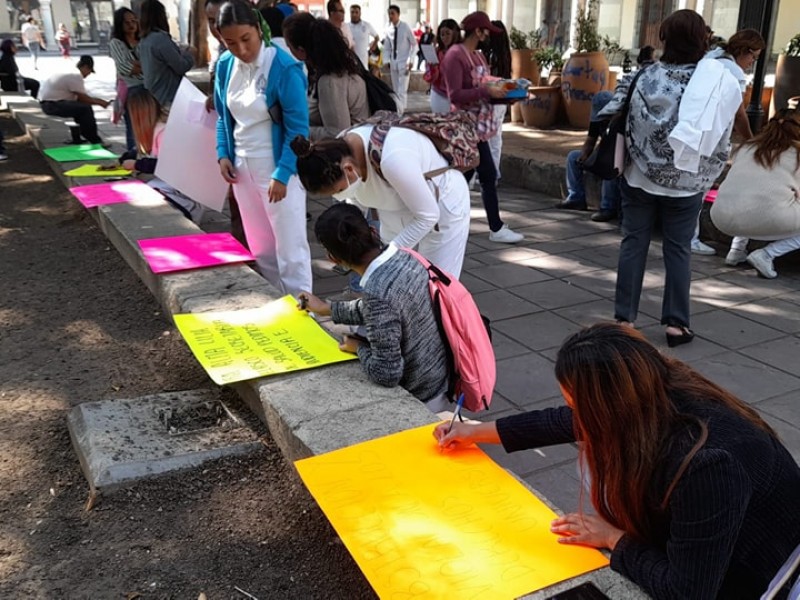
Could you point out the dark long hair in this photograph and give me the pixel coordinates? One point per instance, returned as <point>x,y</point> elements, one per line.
<point>778,135</point>
<point>319,164</point>
<point>119,23</point>
<point>152,16</point>
<point>452,25</point>
<point>498,53</point>
<point>623,391</point>
<point>744,41</point>
<point>684,36</point>
<point>345,234</point>
<point>327,52</point>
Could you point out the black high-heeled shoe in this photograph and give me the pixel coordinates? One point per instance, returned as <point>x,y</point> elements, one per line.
<point>686,336</point>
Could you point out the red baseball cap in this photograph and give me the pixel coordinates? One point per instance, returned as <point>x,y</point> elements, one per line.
<point>478,20</point>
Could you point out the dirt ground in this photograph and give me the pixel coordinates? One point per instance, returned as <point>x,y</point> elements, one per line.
<point>76,325</point>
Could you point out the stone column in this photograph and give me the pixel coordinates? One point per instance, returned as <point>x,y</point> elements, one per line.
<point>443,10</point>
<point>5,21</point>
<point>508,13</point>
<point>47,24</point>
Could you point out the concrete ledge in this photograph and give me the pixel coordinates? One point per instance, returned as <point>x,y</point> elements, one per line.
<point>307,412</point>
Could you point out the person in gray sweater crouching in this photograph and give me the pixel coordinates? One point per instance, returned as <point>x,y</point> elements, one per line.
<point>403,345</point>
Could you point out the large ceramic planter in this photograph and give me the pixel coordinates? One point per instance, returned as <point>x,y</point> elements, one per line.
<point>585,74</point>
<point>541,107</point>
<point>787,82</point>
<point>523,66</point>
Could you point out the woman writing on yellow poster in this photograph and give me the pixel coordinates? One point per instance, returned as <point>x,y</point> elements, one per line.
<point>686,479</point>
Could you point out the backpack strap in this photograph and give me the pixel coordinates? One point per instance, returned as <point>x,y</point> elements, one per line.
<point>377,137</point>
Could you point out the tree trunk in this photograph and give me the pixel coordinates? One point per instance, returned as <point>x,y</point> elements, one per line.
<point>198,32</point>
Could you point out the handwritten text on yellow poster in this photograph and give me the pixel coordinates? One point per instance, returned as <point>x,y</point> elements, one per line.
<point>421,523</point>
<point>245,344</point>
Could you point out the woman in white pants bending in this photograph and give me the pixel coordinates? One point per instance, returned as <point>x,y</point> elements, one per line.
<point>260,93</point>
<point>417,205</point>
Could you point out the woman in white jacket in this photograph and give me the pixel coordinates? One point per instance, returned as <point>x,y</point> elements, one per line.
<point>429,212</point>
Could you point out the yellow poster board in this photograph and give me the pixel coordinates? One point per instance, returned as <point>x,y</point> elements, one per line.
<point>422,523</point>
<point>245,344</point>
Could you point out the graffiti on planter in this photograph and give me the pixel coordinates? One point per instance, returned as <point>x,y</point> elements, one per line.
<point>581,69</point>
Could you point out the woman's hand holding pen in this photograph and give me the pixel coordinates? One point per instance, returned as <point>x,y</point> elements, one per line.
<point>460,435</point>
<point>309,302</point>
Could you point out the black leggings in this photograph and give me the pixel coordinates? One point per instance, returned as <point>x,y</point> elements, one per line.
<point>487,175</point>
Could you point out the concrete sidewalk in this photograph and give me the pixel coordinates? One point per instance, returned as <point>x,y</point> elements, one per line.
<point>562,278</point>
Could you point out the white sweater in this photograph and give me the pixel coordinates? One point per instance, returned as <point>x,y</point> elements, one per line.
<point>758,203</point>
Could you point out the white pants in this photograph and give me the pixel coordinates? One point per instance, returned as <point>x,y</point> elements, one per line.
<point>275,231</point>
<point>439,104</point>
<point>400,79</point>
<point>496,141</point>
<point>444,248</point>
<point>773,249</point>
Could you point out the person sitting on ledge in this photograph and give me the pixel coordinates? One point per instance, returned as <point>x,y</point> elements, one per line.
<point>402,345</point>
<point>695,495</point>
<point>64,95</point>
<point>576,191</point>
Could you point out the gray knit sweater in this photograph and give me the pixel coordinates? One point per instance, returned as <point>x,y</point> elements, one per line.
<point>405,347</point>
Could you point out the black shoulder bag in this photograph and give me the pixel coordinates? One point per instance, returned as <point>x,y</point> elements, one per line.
<point>608,158</point>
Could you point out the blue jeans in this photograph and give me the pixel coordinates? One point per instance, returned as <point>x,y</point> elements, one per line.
<point>678,216</point>
<point>610,198</point>
<point>130,139</point>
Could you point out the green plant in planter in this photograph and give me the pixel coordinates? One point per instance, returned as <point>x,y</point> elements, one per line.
<point>587,38</point>
<point>519,39</point>
<point>793,47</point>
<point>612,49</point>
<point>524,41</point>
<point>549,58</point>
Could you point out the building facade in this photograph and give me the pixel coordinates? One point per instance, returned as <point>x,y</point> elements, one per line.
<point>633,23</point>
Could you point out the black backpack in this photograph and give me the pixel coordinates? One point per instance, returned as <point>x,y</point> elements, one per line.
<point>379,94</point>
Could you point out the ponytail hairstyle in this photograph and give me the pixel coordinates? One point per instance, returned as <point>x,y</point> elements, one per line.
<point>319,164</point>
<point>345,234</point>
<point>781,133</point>
<point>145,113</point>
<point>499,52</point>
<point>241,12</point>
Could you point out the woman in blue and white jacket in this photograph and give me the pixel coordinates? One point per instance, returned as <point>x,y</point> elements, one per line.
<point>260,93</point>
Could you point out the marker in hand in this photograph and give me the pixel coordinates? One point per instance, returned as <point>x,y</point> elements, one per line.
<point>457,411</point>
<point>303,302</point>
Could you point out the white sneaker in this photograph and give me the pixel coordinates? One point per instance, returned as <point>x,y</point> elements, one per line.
<point>505,236</point>
<point>762,263</point>
<point>702,249</point>
<point>735,257</point>
<point>3,156</point>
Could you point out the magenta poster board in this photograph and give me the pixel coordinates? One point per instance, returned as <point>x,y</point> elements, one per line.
<point>114,192</point>
<point>184,252</point>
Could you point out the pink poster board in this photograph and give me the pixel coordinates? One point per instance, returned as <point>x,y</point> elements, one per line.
<point>114,192</point>
<point>196,251</point>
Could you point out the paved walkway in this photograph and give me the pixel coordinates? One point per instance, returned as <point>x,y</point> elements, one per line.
<point>562,278</point>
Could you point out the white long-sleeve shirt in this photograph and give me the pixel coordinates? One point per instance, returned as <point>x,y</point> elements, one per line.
<point>706,114</point>
<point>406,45</point>
<point>407,156</point>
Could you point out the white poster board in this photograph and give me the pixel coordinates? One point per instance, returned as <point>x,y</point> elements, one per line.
<point>187,159</point>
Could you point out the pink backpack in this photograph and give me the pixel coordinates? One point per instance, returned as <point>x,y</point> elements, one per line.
<point>468,343</point>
